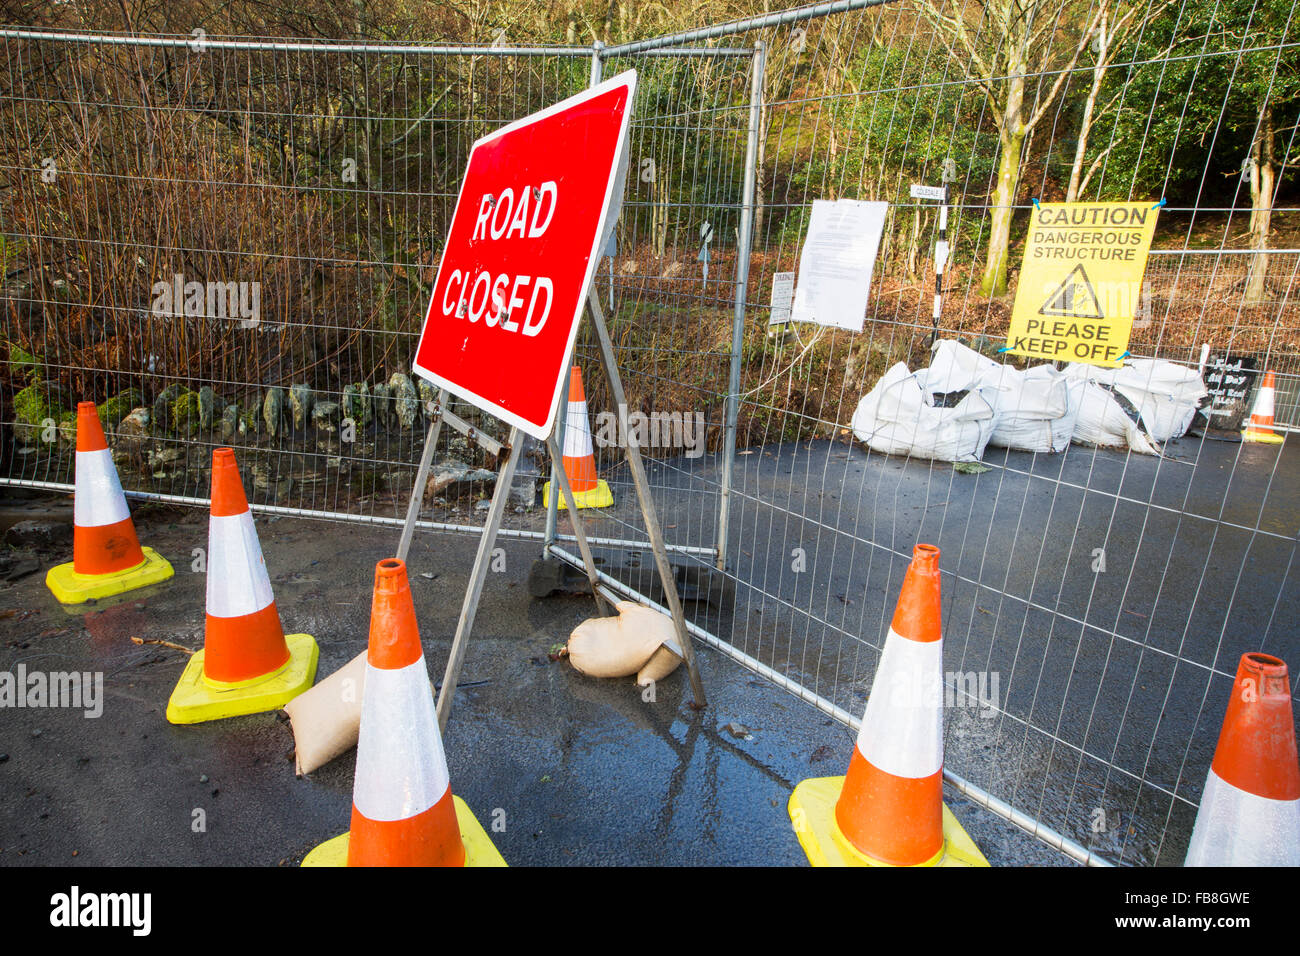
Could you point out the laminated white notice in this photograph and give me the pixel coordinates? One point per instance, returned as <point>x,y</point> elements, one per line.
<point>836,262</point>
<point>782,297</point>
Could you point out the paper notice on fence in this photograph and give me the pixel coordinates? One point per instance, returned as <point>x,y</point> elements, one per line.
<point>836,262</point>
<point>782,297</point>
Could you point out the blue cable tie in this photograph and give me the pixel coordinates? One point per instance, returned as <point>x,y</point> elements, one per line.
<point>1124,356</point>
<point>1162,202</point>
<point>1035,202</point>
<point>1005,348</point>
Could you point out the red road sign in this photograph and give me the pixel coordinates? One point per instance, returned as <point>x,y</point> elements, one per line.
<point>521,253</point>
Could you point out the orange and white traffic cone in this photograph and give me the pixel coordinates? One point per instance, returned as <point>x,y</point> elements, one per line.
<point>1260,426</point>
<point>589,491</point>
<point>888,810</point>
<point>106,555</point>
<point>1250,809</point>
<point>403,810</point>
<point>248,664</point>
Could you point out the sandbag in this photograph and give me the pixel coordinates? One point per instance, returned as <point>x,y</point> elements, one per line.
<point>620,646</point>
<point>327,718</point>
<point>662,663</point>
<point>918,415</point>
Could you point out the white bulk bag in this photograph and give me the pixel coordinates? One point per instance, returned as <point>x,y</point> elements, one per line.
<point>1107,418</point>
<point>958,365</point>
<point>900,417</point>
<point>1166,393</point>
<point>1033,410</point>
<point>1158,398</point>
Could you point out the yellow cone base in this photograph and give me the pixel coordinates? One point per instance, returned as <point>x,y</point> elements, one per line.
<point>73,588</point>
<point>598,497</point>
<point>1268,438</point>
<point>479,850</point>
<point>812,811</point>
<point>195,700</point>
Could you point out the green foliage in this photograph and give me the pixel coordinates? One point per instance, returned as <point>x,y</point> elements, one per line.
<point>896,120</point>
<point>1185,113</point>
<point>183,414</point>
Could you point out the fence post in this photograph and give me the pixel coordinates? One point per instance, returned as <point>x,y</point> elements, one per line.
<point>744,246</point>
<point>553,506</point>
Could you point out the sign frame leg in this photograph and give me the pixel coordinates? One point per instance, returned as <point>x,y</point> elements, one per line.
<point>648,512</point>
<point>603,605</point>
<point>474,591</point>
<point>421,478</point>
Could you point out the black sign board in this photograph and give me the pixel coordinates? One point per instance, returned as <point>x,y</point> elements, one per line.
<point>1230,380</point>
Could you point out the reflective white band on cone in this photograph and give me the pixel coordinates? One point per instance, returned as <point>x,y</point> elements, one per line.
<point>237,581</point>
<point>98,499</point>
<point>902,729</point>
<point>577,431</point>
<point>1263,403</point>
<point>399,742</point>
<point>1236,828</point>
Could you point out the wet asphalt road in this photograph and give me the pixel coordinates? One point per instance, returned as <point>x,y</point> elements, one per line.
<point>583,772</point>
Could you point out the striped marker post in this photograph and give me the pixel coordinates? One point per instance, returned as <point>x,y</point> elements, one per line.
<point>248,664</point>
<point>589,490</point>
<point>403,810</point>
<point>1250,809</point>
<point>888,809</point>
<point>106,555</point>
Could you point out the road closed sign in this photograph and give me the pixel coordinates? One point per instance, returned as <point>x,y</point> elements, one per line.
<point>524,242</point>
<point>1081,281</point>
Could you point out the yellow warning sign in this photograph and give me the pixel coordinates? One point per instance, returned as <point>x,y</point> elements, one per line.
<point>1081,280</point>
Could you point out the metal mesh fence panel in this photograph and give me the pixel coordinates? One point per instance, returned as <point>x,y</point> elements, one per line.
<point>1096,600</point>
<point>239,236</point>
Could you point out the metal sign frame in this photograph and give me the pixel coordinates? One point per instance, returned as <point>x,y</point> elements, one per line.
<point>605,598</point>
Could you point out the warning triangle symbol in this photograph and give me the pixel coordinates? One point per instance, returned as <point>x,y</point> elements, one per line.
<point>1073,298</point>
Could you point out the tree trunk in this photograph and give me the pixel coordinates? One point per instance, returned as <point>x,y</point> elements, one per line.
<point>1011,139</point>
<point>760,163</point>
<point>914,242</point>
<point>1089,107</point>
<point>1004,197</point>
<point>1262,180</point>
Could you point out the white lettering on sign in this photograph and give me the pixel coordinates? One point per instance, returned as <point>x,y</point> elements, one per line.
<point>504,216</point>
<point>488,289</point>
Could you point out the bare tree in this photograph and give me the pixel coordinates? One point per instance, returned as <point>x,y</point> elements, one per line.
<point>1118,23</point>
<point>1010,42</point>
<point>1262,166</point>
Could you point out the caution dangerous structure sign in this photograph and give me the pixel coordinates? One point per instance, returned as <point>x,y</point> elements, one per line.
<point>1081,280</point>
